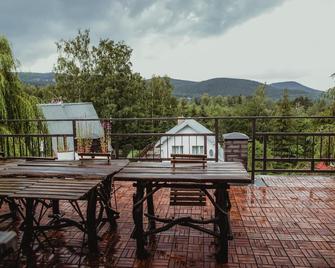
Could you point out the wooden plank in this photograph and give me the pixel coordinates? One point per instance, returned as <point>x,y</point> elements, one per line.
<point>180,203</point>
<point>187,198</point>
<point>95,154</point>
<point>73,191</point>
<point>70,181</point>
<point>200,178</point>
<point>210,165</point>
<point>46,192</point>
<point>176,193</point>
<point>192,161</point>
<point>179,171</point>
<point>92,170</point>
<point>189,155</point>
<point>48,197</point>
<point>59,187</point>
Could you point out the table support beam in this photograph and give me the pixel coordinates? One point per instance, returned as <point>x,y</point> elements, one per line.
<point>27,239</point>
<point>141,252</point>
<point>92,237</point>
<point>150,206</point>
<point>221,195</point>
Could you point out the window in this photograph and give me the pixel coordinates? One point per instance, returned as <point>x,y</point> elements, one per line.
<point>197,149</point>
<point>177,149</point>
<point>211,153</point>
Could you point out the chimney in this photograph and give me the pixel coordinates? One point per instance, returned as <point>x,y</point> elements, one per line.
<point>180,120</point>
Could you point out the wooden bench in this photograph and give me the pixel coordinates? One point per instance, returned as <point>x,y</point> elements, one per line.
<point>187,196</point>
<point>93,155</point>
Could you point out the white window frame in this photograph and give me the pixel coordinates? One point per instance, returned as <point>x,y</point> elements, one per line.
<point>177,149</point>
<point>197,149</point>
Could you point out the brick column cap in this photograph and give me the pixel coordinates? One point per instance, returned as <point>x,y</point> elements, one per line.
<point>235,136</point>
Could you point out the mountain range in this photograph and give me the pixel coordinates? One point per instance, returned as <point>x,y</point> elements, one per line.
<point>213,87</point>
<point>237,87</point>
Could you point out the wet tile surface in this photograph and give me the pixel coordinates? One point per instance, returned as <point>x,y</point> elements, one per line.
<point>285,221</point>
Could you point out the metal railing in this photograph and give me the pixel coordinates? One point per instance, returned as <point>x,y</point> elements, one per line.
<point>142,139</point>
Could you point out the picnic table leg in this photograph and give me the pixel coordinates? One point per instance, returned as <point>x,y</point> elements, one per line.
<point>55,207</point>
<point>230,231</point>
<point>27,239</point>
<point>223,223</point>
<point>13,208</point>
<point>91,225</point>
<point>111,214</point>
<point>150,206</point>
<point>141,252</point>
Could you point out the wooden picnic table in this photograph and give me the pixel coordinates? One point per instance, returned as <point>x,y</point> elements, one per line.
<point>32,192</point>
<point>34,181</point>
<point>152,176</point>
<point>9,186</point>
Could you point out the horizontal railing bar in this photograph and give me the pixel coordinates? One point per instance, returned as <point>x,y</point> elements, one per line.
<point>173,118</point>
<point>36,135</point>
<point>155,159</point>
<point>295,170</point>
<point>294,159</point>
<point>295,133</point>
<point>161,134</point>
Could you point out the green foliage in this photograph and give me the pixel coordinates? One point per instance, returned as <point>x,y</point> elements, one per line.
<point>103,75</point>
<point>15,103</point>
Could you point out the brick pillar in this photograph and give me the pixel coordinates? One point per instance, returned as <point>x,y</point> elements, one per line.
<point>236,148</point>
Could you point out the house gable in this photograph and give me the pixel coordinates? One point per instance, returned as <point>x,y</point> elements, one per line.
<point>192,125</point>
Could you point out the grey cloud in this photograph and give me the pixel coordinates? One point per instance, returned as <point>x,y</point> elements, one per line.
<point>27,23</point>
<point>280,74</point>
<point>193,17</point>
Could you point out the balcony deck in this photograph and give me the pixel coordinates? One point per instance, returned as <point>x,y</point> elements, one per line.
<point>284,221</point>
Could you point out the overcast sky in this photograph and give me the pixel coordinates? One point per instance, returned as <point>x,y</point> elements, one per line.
<point>264,40</point>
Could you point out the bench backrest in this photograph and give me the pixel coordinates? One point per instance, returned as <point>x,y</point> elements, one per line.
<point>187,196</point>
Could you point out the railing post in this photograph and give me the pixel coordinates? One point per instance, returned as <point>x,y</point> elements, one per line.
<point>313,154</point>
<point>74,132</point>
<point>265,138</point>
<point>216,139</point>
<point>253,149</point>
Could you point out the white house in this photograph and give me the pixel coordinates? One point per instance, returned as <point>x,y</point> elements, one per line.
<point>84,129</point>
<point>188,144</point>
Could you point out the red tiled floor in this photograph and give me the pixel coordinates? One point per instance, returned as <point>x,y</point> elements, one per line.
<point>290,222</point>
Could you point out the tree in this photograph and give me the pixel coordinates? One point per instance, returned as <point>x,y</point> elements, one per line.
<point>257,106</point>
<point>100,74</point>
<point>14,102</point>
<point>160,101</point>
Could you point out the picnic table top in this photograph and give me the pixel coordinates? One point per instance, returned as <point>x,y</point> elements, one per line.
<point>46,188</point>
<point>94,169</point>
<point>214,172</point>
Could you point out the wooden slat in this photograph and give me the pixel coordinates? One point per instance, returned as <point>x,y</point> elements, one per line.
<point>179,171</point>
<point>186,198</point>
<point>202,156</point>
<point>175,193</point>
<point>48,197</point>
<point>210,165</point>
<point>192,161</point>
<point>198,178</point>
<point>179,203</point>
<point>89,170</point>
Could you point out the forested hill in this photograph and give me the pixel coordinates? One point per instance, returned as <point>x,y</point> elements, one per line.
<point>236,87</point>
<point>37,79</point>
<point>213,87</point>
